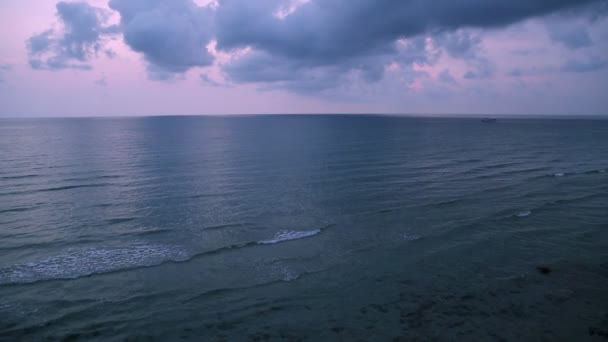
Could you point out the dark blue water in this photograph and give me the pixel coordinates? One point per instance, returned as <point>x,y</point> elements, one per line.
<point>346,228</point>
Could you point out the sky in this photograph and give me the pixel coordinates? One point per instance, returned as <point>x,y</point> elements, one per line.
<point>193,57</point>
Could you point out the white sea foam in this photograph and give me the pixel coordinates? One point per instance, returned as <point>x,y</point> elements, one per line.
<point>560,174</point>
<point>285,235</point>
<point>286,273</point>
<point>524,213</point>
<point>410,237</point>
<point>290,276</point>
<point>76,263</point>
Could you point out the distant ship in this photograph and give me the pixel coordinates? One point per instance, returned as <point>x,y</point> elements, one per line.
<point>488,120</point>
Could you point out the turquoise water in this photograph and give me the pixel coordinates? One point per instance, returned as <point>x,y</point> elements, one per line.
<point>309,228</point>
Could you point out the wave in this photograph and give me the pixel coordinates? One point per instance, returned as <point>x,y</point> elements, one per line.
<point>77,263</point>
<point>18,177</point>
<point>285,235</point>
<point>119,220</point>
<point>529,171</point>
<point>523,171</point>
<point>524,213</point>
<point>225,226</point>
<point>591,172</point>
<point>84,262</point>
<point>71,187</point>
<point>139,233</point>
<point>575,200</point>
<point>596,171</point>
<point>92,178</point>
<point>55,189</point>
<point>18,210</point>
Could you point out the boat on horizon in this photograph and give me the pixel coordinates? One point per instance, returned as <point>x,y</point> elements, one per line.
<point>488,120</point>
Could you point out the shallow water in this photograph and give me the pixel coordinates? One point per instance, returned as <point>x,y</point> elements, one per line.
<point>303,228</point>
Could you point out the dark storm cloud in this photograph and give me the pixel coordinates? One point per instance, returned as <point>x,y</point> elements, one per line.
<point>171,35</point>
<point>319,45</point>
<point>306,76</point>
<point>74,45</point>
<point>281,72</point>
<point>460,44</point>
<point>592,63</point>
<point>573,36</point>
<point>333,33</point>
<point>323,31</point>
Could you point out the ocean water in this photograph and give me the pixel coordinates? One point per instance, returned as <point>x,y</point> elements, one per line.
<point>303,228</point>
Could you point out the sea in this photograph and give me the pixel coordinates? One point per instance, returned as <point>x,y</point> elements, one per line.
<point>303,228</point>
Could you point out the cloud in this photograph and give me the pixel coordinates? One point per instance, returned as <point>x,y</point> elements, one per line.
<point>480,68</point>
<point>305,76</point>
<point>517,72</point>
<point>460,44</point>
<point>110,53</point>
<point>465,45</point>
<point>3,69</point>
<point>206,79</point>
<point>172,35</point>
<point>336,34</point>
<point>592,63</point>
<point>102,81</point>
<point>445,76</point>
<point>571,35</point>
<point>532,71</point>
<point>79,40</point>
<point>281,72</point>
<point>299,45</point>
<point>322,30</point>
<point>528,52</point>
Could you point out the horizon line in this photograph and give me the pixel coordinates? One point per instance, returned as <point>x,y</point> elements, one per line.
<point>403,115</point>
